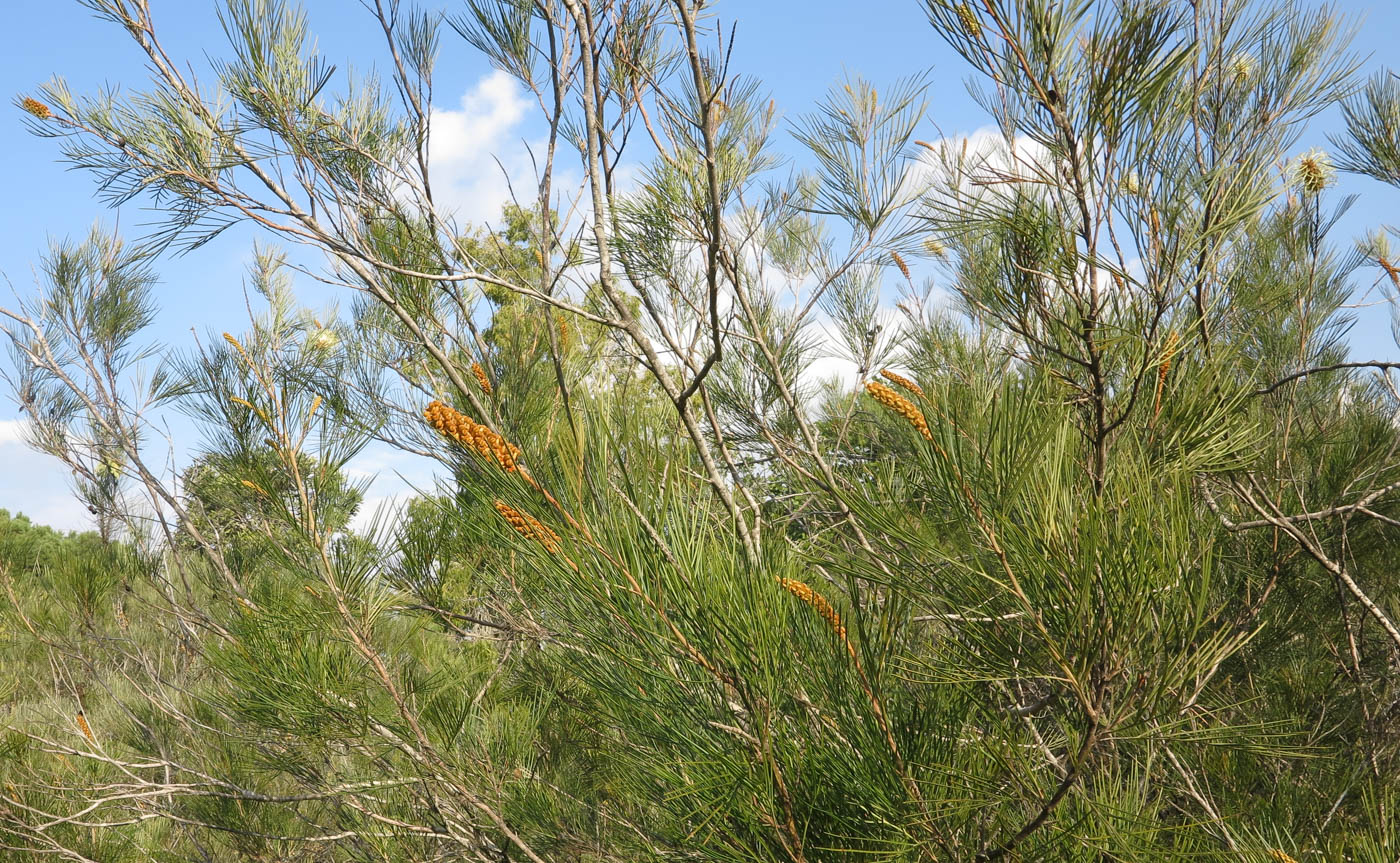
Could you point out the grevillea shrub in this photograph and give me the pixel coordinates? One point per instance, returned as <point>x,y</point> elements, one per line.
<point>1087,557</point>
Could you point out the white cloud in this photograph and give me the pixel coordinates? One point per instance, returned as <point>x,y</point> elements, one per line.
<point>11,432</point>
<point>834,358</point>
<point>830,363</point>
<point>394,477</point>
<point>466,144</point>
<point>971,165</point>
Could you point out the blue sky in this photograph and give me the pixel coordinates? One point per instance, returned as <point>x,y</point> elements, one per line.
<point>798,48</point>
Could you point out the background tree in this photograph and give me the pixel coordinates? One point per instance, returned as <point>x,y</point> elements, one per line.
<point>239,518</point>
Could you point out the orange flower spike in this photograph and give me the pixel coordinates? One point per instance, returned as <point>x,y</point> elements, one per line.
<point>85,728</point>
<point>823,608</point>
<point>528,526</point>
<point>472,435</point>
<point>481,378</point>
<point>900,405</point>
<point>818,602</point>
<point>899,262</point>
<point>901,380</point>
<point>531,528</point>
<point>36,108</point>
<point>1169,351</point>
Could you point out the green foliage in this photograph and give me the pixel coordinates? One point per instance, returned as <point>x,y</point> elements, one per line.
<point>241,501</point>
<point>26,547</point>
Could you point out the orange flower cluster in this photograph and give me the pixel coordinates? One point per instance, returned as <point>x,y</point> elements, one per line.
<point>481,378</point>
<point>529,527</point>
<point>473,435</point>
<point>1170,351</point>
<point>899,262</point>
<point>1166,366</point>
<point>818,602</point>
<point>85,728</point>
<point>901,380</point>
<point>1280,856</point>
<point>36,108</point>
<point>900,405</point>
